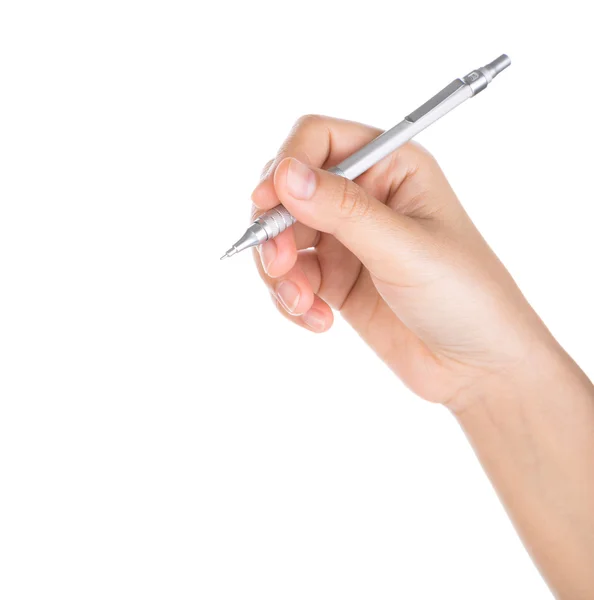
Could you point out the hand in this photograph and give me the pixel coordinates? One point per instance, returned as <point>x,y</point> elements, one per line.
<point>399,257</point>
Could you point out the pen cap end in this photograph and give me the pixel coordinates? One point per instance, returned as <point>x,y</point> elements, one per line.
<point>498,65</point>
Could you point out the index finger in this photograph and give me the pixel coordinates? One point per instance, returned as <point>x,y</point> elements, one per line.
<point>317,141</point>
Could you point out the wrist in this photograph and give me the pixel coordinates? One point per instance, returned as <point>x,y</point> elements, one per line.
<point>545,371</point>
<point>533,432</point>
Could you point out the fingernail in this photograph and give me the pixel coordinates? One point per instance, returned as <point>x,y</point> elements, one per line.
<point>301,180</point>
<point>315,319</point>
<point>288,294</point>
<point>268,254</point>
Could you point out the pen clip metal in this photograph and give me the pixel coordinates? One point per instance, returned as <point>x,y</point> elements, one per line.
<point>434,102</point>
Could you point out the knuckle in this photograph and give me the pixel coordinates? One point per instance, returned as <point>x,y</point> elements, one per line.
<point>300,129</point>
<point>305,127</point>
<point>352,202</point>
<point>419,157</point>
<point>308,121</point>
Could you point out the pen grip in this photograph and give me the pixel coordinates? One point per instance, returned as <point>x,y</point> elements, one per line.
<point>275,221</point>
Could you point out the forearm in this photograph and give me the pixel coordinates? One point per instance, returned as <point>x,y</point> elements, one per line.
<point>534,435</point>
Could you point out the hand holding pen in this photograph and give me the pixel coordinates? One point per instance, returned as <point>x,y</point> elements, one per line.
<point>273,222</point>
<point>399,257</point>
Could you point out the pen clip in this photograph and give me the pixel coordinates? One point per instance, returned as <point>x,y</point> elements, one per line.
<point>434,102</point>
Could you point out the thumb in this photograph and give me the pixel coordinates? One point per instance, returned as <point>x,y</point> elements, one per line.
<point>381,238</point>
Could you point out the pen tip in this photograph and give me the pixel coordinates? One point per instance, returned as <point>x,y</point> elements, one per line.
<point>229,253</point>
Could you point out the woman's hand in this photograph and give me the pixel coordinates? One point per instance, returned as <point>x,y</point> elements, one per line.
<point>399,257</point>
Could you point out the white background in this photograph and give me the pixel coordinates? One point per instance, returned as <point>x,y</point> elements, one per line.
<point>164,433</point>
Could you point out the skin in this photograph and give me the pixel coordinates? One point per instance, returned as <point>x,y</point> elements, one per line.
<point>397,255</point>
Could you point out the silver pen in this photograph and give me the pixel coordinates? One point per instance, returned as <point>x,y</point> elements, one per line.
<point>277,219</point>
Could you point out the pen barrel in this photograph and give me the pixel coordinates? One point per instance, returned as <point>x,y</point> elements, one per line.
<point>273,222</point>
<point>374,151</point>
<point>276,220</point>
<point>392,139</point>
